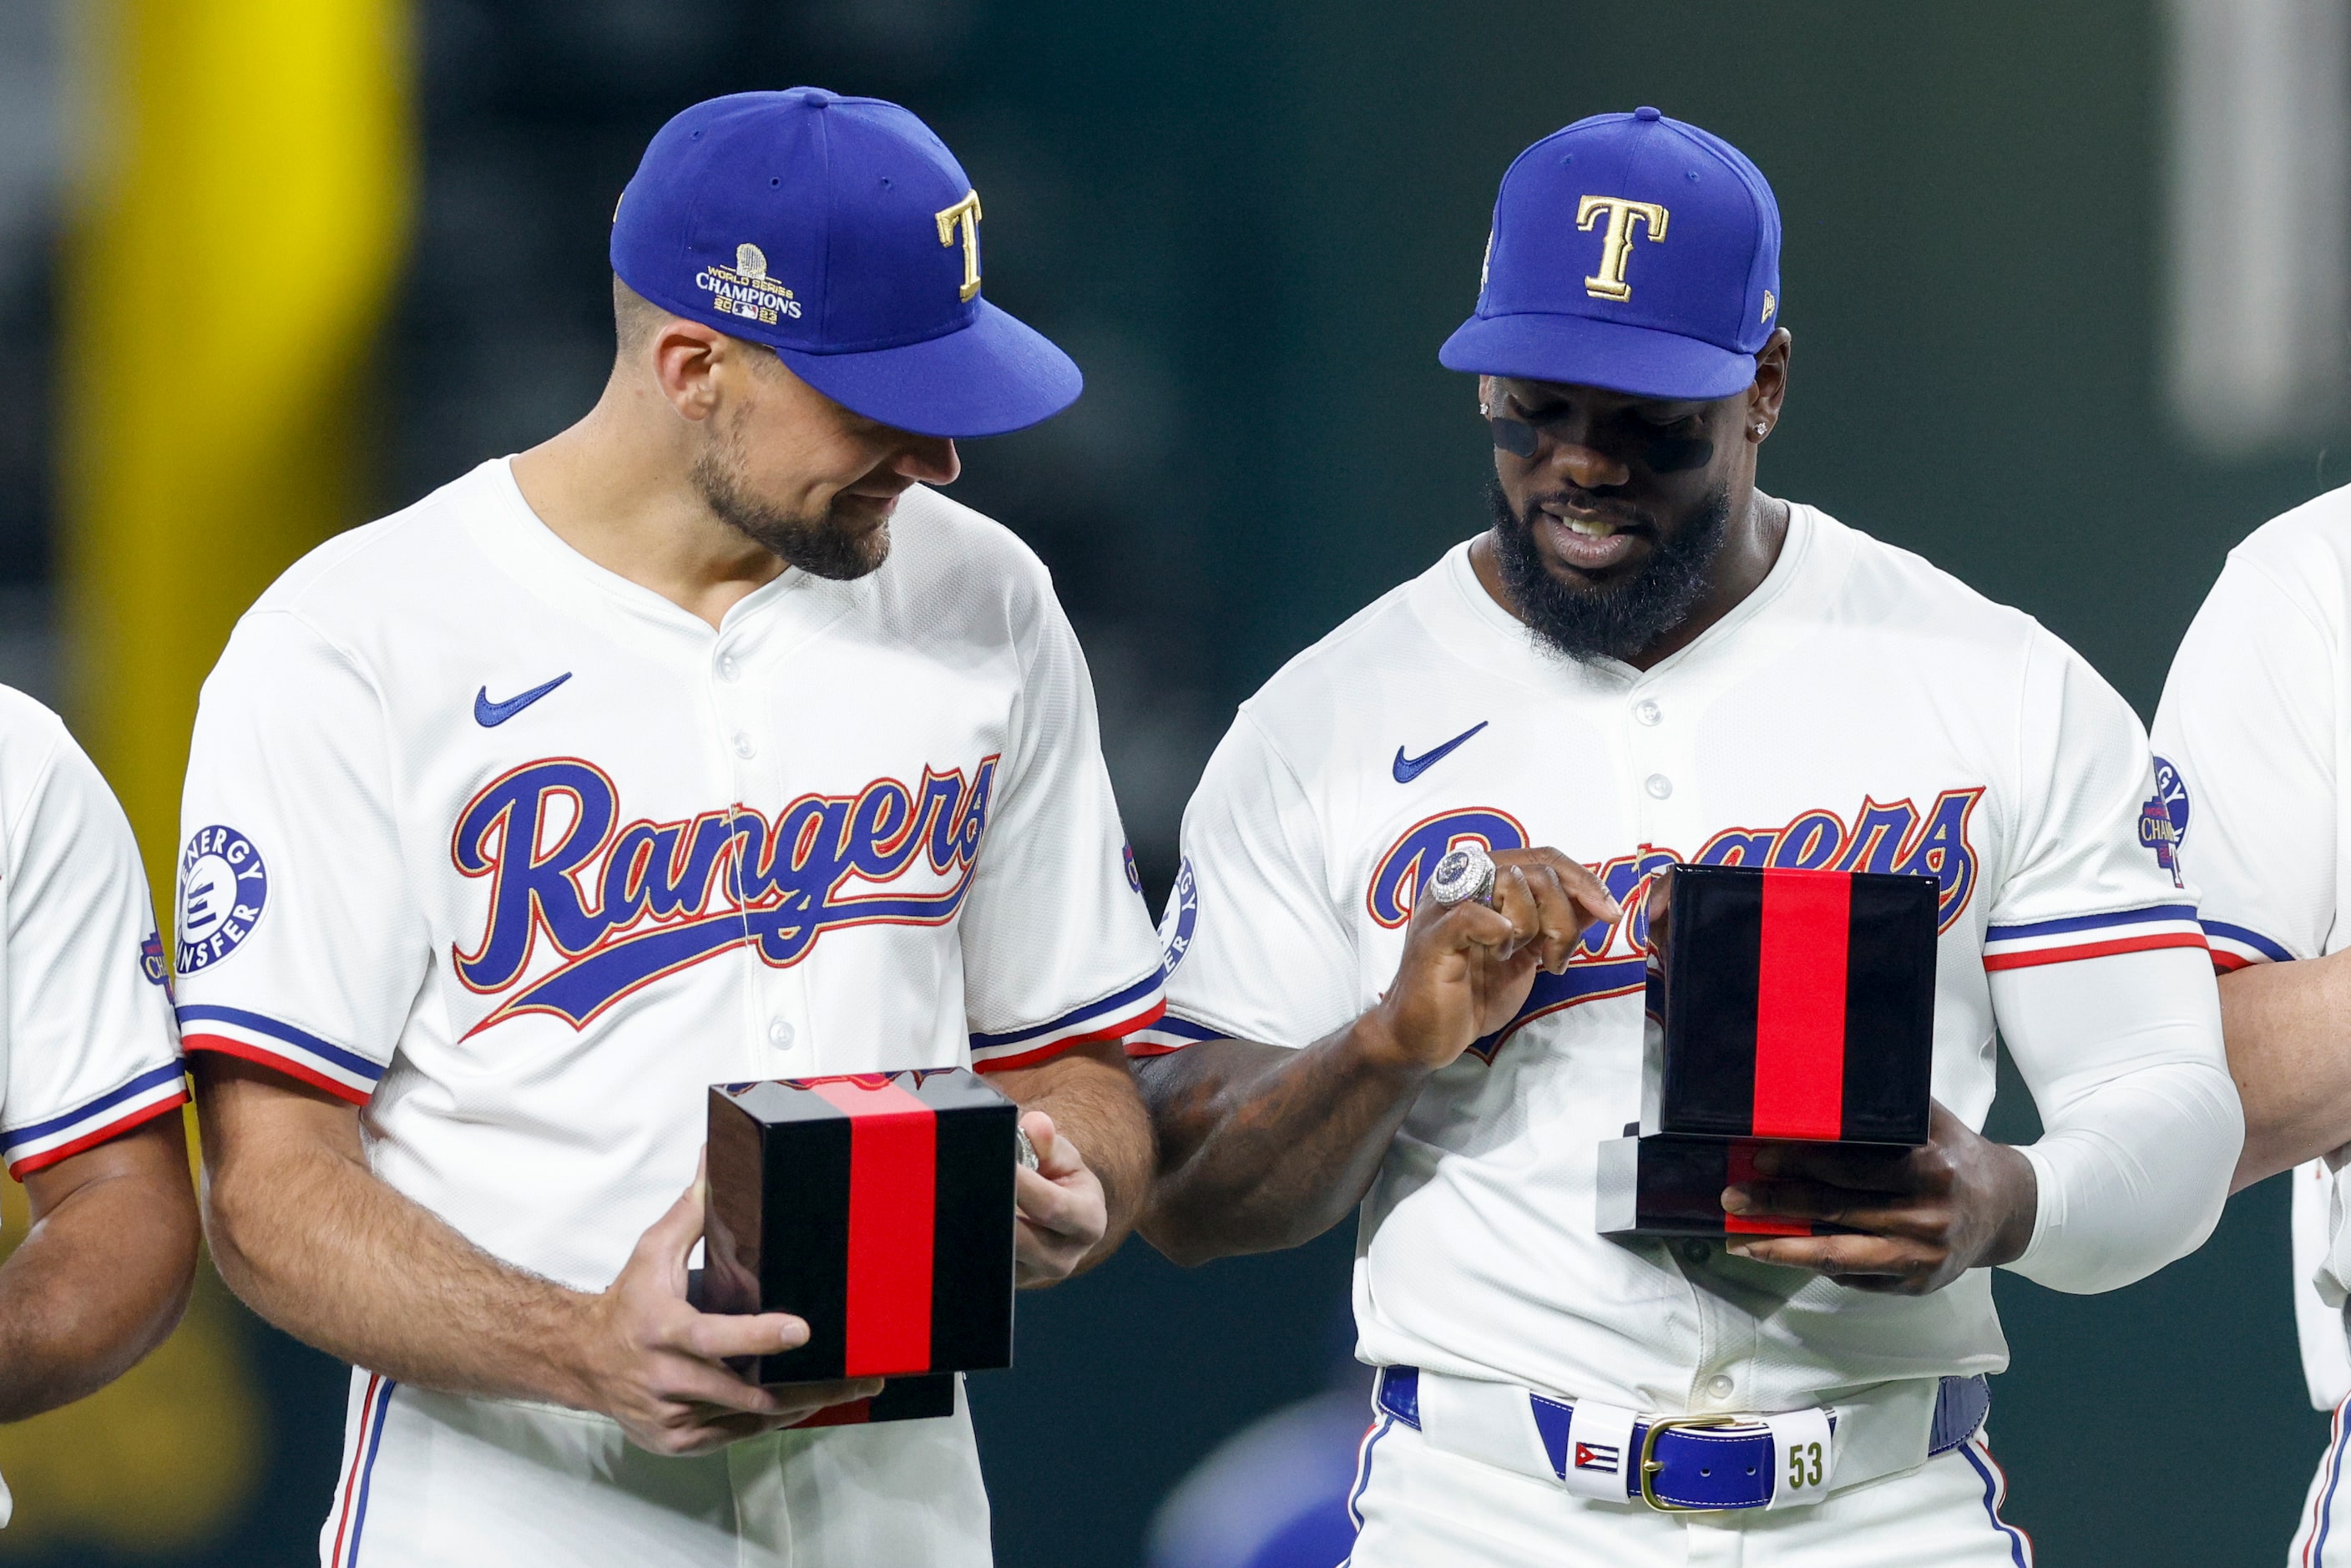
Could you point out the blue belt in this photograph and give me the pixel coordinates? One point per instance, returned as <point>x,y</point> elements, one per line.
<point>1697,1466</point>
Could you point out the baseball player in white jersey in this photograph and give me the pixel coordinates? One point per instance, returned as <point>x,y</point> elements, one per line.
<point>2253,759</point>
<point>90,1081</point>
<point>1645,661</point>
<point>701,743</point>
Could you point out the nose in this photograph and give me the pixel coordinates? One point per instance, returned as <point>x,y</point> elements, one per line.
<point>928,460</point>
<point>1586,467</point>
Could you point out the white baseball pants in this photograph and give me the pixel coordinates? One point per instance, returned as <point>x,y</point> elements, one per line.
<point>2323,1539</point>
<point>1421,1507</point>
<point>431,1478</point>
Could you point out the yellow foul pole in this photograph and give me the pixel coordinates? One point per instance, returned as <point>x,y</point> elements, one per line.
<point>230,263</point>
<point>237,244</point>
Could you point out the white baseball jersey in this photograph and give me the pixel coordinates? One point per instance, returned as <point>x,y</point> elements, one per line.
<point>87,1047</point>
<point>2252,740</point>
<point>1859,711</point>
<point>523,857</point>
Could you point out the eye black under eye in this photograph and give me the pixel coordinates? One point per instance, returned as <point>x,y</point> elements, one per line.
<point>1515,436</point>
<point>1667,453</point>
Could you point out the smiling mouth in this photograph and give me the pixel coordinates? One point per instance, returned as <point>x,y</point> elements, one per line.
<point>1591,545</point>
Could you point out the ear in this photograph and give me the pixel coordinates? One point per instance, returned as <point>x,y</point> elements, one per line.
<point>686,356</point>
<point>1489,397</point>
<point>1771,388</point>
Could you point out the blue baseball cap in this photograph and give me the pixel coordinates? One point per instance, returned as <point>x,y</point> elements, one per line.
<point>841,232</point>
<point>1631,252</point>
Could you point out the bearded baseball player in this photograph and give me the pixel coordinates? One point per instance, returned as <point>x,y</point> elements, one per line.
<point>2251,740</point>
<point>90,1081</point>
<point>703,743</point>
<point>1646,660</point>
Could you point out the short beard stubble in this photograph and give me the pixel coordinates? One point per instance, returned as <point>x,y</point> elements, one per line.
<point>826,546</point>
<point>1620,619</point>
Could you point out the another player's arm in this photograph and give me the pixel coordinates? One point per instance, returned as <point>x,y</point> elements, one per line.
<point>2290,1053</point>
<point>314,1241</point>
<point>1093,1159</point>
<point>1262,1147</point>
<point>103,1275</point>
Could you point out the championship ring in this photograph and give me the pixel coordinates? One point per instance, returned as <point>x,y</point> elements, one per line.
<point>1464,874</point>
<point>1022,1149</point>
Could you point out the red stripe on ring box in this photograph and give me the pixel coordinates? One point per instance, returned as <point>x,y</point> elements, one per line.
<point>1738,1170</point>
<point>1800,1004</point>
<point>892,1200</point>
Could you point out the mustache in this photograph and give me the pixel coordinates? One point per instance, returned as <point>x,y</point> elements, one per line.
<point>1620,615</point>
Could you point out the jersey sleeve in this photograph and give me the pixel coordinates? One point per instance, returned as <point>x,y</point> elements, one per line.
<point>2245,749</point>
<point>91,1051</point>
<point>1057,944</point>
<point>1257,947</point>
<point>2091,868</point>
<point>2123,1055</point>
<point>300,946</point>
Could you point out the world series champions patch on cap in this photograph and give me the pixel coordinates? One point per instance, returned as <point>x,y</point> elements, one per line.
<point>1630,252</point>
<point>841,232</point>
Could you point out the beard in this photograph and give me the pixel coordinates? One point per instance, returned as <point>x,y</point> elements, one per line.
<point>831,544</point>
<point>1615,619</point>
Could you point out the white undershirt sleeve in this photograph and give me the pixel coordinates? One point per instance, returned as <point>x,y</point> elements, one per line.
<point>2141,1122</point>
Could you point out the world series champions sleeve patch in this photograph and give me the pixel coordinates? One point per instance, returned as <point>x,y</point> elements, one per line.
<point>224,888</point>
<point>2163,820</point>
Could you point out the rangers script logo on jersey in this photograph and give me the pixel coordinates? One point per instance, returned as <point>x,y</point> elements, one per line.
<point>625,905</point>
<point>1612,961</point>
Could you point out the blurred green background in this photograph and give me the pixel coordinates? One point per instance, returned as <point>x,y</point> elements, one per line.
<point>1253,226</point>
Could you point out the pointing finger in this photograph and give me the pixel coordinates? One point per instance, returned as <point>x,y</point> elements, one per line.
<point>1562,919</point>
<point>1514,900</point>
<point>1589,895</point>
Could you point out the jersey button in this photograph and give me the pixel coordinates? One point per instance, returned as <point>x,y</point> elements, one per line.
<point>728,670</point>
<point>1658,785</point>
<point>779,1035</point>
<point>742,747</point>
<point>1647,711</point>
<point>1719,1386</point>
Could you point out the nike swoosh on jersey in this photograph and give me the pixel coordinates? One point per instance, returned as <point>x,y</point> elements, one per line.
<point>490,714</point>
<point>1409,768</point>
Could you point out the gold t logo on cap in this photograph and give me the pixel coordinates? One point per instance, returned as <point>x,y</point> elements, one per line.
<point>1616,240</point>
<point>965,215</point>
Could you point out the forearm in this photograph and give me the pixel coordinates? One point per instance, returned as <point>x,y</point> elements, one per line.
<point>319,1245</point>
<point>100,1280</point>
<point>2137,1189</point>
<point>2290,1053</point>
<point>1261,1148</point>
<point>2143,1124</point>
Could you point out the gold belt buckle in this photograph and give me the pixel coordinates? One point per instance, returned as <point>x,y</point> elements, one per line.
<point>1651,1464</point>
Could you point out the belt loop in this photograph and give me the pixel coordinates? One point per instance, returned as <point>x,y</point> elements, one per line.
<point>1804,1458</point>
<point>1597,1458</point>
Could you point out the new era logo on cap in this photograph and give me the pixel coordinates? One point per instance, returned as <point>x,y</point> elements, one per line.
<point>841,232</point>
<point>1631,252</point>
